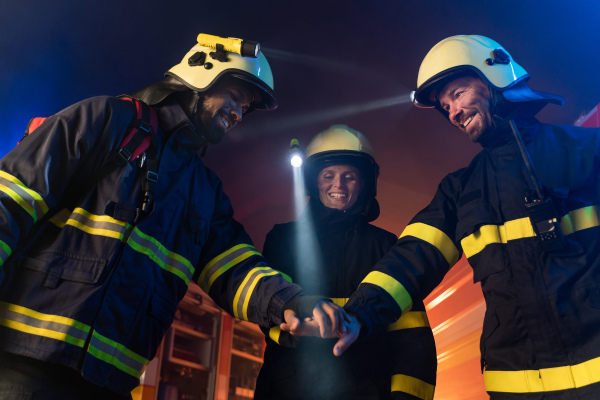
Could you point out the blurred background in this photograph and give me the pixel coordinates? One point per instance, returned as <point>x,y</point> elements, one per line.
<point>334,61</point>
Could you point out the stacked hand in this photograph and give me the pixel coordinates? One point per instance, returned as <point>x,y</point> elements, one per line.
<point>328,321</point>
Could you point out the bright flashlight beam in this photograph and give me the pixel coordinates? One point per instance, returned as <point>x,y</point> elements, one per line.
<point>340,112</point>
<point>315,61</point>
<point>299,198</point>
<point>296,161</point>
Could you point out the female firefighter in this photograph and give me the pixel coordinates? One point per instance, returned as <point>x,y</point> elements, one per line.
<point>328,251</point>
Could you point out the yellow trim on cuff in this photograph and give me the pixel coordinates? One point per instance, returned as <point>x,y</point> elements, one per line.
<point>412,319</point>
<point>413,386</point>
<point>392,286</point>
<point>436,238</point>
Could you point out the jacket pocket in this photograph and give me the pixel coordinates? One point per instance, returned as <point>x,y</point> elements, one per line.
<point>64,266</point>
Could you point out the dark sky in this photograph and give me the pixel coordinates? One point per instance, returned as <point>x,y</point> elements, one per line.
<point>333,61</point>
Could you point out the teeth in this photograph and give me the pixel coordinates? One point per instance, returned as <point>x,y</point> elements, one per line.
<point>338,195</point>
<point>225,123</point>
<point>467,122</point>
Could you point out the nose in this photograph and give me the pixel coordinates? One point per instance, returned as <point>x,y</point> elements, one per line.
<point>236,114</point>
<point>338,182</point>
<point>453,113</point>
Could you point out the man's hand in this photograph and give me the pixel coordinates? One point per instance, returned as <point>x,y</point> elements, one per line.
<point>328,321</point>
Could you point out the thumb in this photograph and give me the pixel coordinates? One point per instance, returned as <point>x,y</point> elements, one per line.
<point>342,345</point>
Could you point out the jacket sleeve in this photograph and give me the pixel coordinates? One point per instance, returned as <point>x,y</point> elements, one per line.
<point>415,265</point>
<point>236,275</point>
<point>36,174</point>
<point>414,363</point>
<point>279,257</point>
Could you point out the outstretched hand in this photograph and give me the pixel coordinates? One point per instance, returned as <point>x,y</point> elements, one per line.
<point>328,321</point>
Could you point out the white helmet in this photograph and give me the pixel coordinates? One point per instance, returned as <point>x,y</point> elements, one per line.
<point>215,56</point>
<point>485,57</point>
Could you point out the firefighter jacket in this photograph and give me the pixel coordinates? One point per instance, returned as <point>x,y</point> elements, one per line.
<point>97,288</point>
<point>541,332</point>
<point>329,252</point>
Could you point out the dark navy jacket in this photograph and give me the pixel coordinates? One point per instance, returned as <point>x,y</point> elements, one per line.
<point>329,252</point>
<point>95,291</point>
<point>542,326</point>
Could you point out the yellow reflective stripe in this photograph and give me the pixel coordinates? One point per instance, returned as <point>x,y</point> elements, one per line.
<point>413,386</point>
<point>544,380</point>
<point>47,325</point>
<point>286,277</point>
<point>576,220</point>
<point>488,234</point>
<point>223,262</point>
<point>117,355</point>
<point>392,286</point>
<point>436,238</point>
<point>274,334</point>
<point>5,252</point>
<point>412,319</point>
<point>580,219</point>
<point>29,200</point>
<point>340,301</point>
<point>245,290</point>
<point>165,259</point>
<point>100,225</point>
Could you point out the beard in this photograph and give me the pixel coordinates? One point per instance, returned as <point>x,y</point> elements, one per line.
<point>207,126</point>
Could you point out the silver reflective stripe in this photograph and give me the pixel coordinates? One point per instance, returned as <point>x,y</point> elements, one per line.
<point>245,290</point>
<point>35,323</point>
<point>100,225</point>
<point>117,355</point>
<point>223,262</point>
<point>167,260</point>
<point>30,200</point>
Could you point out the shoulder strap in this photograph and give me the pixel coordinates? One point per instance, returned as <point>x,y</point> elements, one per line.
<point>138,139</point>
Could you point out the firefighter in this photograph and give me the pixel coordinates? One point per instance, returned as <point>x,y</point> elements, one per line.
<point>329,251</point>
<point>526,219</point>
<point>88,292</point>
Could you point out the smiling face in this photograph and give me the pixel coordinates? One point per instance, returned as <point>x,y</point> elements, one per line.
<point>339,186</point>
<point>223,106</point>
<point>467,101</point>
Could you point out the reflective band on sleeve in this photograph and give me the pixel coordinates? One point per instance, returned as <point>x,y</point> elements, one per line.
<point>576,220</point>
<point>245,290</point>
<point>412,386</point>
<point>5,252</point>
<point>544,380</point>
<point>35,323</point>
<point>340,301</point>
<point>31,201</point>
<point>412,319</point>
<point>580,219</point>
<point>167,260</point>
<point>392,286</point>
<point>223,262</point>
<point>274,334</point>
<point>436,238</point>
<point>117,355</point>
<point>100,225</point>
